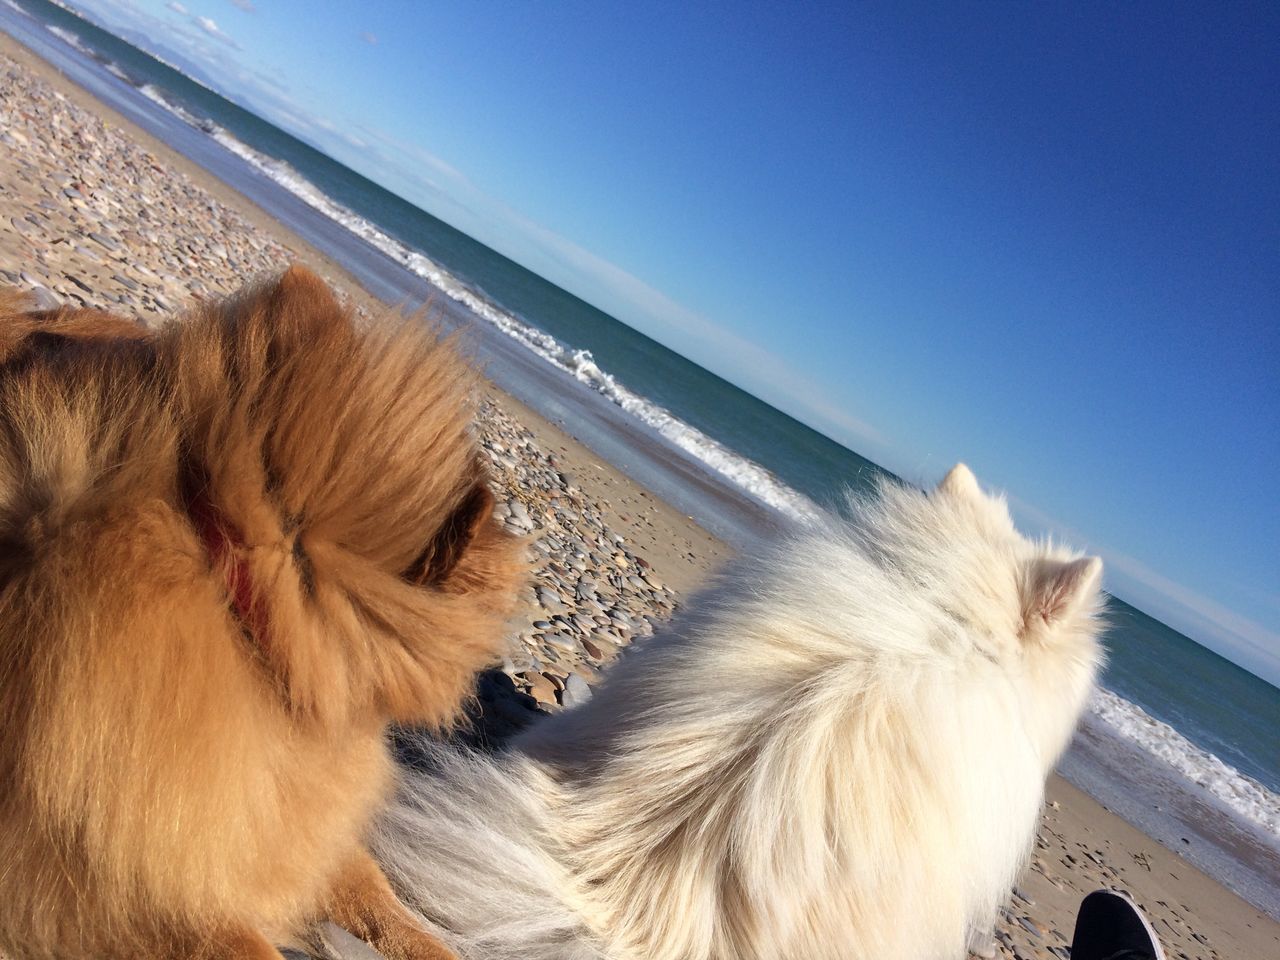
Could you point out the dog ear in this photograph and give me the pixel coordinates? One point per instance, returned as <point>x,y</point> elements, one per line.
<point>299,287</point>
<point>960,482</point>
<point>441,556</point>
<point>1057,590</point>
<point>299,305</point>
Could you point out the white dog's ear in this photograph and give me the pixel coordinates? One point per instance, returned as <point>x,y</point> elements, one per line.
<point>960,482</point>
<point>1057,590</point>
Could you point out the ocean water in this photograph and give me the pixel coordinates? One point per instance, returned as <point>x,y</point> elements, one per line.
<point>1206,733</point>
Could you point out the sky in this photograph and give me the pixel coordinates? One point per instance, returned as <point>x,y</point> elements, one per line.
<point>1042,239</point>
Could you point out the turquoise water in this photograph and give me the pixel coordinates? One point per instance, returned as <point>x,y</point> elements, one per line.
<point>1214,704</point>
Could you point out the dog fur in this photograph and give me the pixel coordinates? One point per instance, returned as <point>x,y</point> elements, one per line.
<point>231,553</point>
<point>838,752</point>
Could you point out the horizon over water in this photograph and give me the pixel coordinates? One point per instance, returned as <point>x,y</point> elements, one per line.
<point>1204,731</point>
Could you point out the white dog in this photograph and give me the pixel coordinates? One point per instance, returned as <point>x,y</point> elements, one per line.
<point>839,752</point>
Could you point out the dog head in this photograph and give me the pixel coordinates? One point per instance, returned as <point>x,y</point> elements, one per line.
<point>1028,605</point>
<point>319,472</point>
<point>334,464</point>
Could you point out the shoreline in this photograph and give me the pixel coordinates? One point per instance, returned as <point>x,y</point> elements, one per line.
<point>582,499</point>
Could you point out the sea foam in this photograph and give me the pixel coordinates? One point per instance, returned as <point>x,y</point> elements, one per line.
<point>66,36</point>
<point>1242,794</point>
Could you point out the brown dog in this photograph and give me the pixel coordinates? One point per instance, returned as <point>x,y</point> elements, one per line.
<point>231,553</point>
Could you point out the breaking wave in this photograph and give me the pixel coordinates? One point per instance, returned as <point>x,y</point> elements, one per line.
<point>1242,794</point>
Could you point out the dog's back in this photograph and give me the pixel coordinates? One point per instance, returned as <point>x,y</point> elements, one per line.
<point>86,464</point>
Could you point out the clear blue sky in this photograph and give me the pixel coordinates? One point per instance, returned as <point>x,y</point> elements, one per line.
<point>1043,240</point>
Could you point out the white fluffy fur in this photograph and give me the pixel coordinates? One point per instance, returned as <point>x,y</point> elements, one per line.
<point>839,752</point>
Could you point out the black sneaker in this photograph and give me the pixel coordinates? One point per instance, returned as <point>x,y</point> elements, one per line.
<point>1109,926</point>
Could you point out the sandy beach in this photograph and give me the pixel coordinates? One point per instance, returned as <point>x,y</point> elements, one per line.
<point>95,212</point>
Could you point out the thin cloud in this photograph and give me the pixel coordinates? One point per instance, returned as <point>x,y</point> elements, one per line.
<point>369,38</point>
<point>212,29</point>
<point>245,5</point>
<point>417,158</point>
<point>178,8</point>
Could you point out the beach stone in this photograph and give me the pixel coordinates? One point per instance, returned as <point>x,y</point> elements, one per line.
<point>44,298</point>
<point>609,645</point>
<point>540,688</point>
<point>576,691</point>
<point>1032,927</point>
<point>550,600</point>
<point>561,642</point>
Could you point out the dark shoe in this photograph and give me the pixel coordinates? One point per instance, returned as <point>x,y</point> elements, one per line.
<point>1109,926</point>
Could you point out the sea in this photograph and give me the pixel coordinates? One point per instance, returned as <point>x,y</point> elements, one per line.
<point>1179,741</point>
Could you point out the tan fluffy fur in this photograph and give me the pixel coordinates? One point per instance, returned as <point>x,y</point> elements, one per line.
<point>177,779</point>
